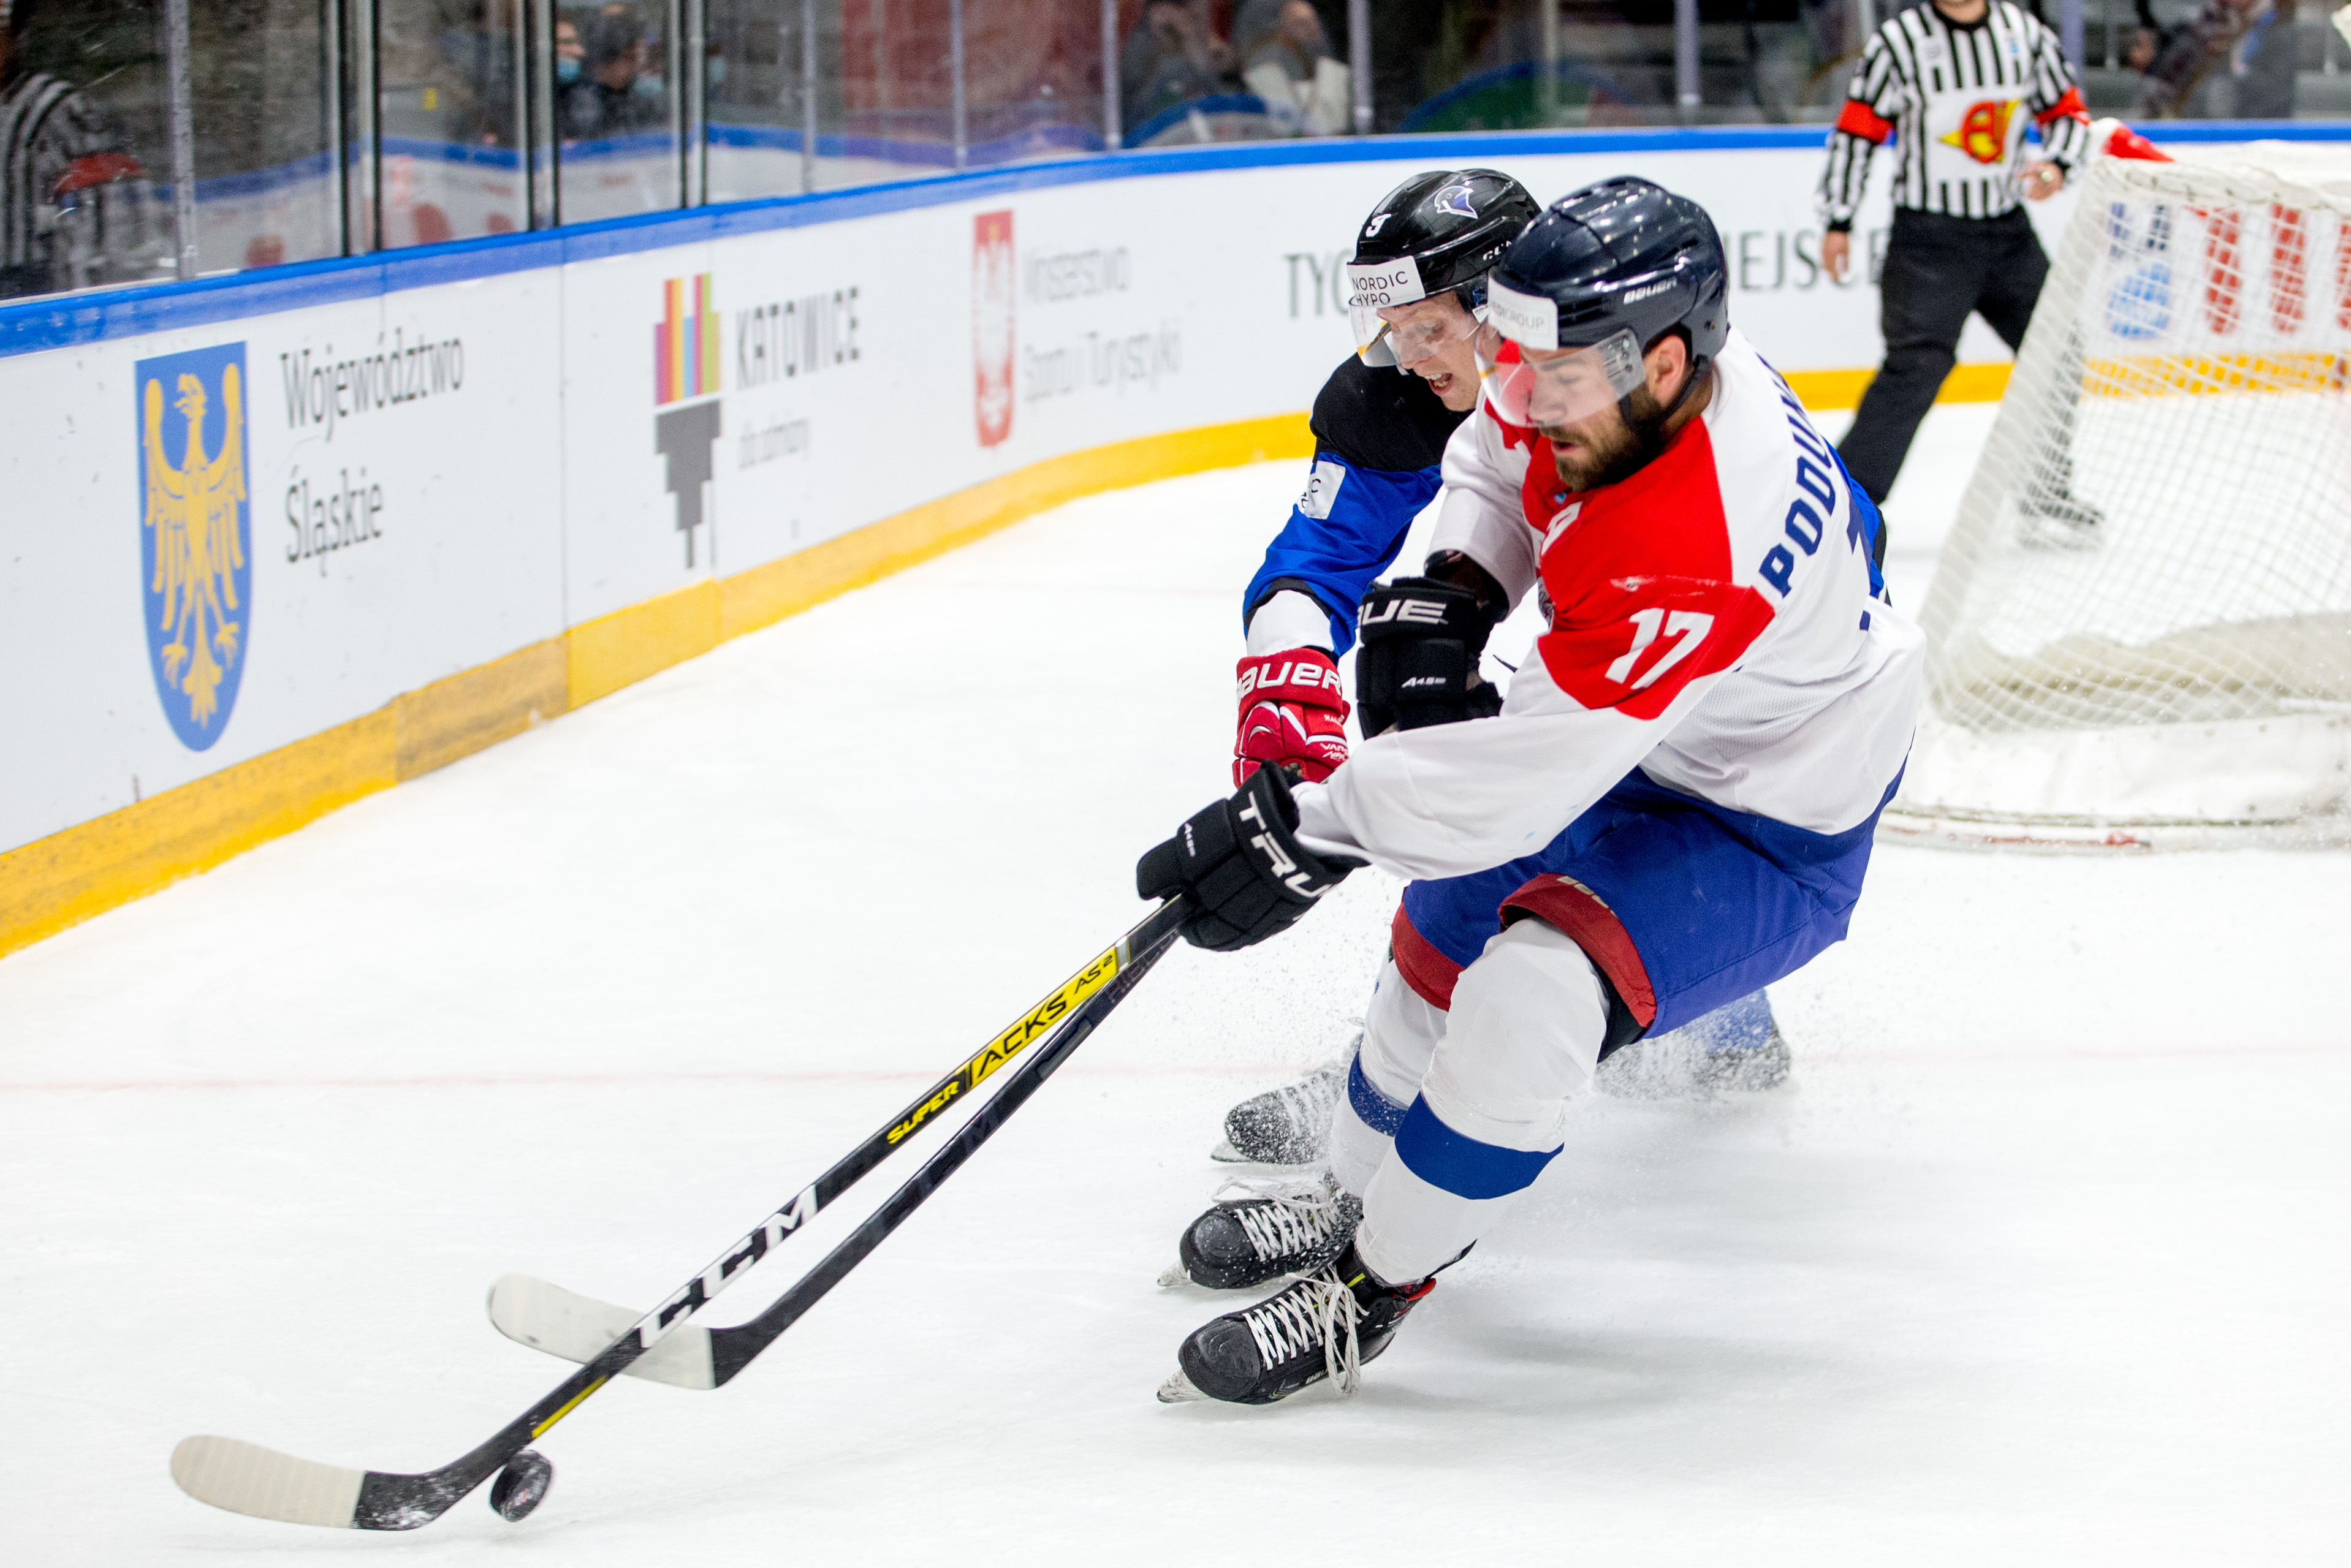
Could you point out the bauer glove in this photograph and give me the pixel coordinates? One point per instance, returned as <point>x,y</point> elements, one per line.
<point>1292,716</point>
<point>1417,661</point>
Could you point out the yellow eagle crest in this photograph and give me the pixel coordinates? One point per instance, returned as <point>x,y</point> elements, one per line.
<point>193,509</point>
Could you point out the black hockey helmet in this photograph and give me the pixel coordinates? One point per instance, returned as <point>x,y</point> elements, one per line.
<point>1437,231</point>
<point>1614,266</point>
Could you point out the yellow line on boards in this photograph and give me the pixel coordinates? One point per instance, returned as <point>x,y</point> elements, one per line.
<point>1821,390</point>
<point>63,880</point>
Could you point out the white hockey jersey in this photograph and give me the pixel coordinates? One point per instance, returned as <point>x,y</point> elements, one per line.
<point>1712,623</point>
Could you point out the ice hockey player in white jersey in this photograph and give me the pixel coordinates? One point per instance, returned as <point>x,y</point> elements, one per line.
<point>1416,296</point>
<point>1672,808</point>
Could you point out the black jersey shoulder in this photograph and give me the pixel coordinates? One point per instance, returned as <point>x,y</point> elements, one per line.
<point>1382,418</point>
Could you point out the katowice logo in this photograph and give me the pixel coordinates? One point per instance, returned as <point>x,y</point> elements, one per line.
<point>195,534</point>
<point>992,324</point>
<point>686,355</point>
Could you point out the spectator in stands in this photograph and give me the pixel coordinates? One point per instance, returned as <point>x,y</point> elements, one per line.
<point>72,198</point>
<point>1293,69</point>
<point>571,55</point>
<point>612,97</point>
<point>1173,57</point>
<point>2229,36</point>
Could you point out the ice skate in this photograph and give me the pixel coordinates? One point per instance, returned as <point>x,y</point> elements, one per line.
<point>1253,1233</point>
<point>1290,1126</point>
<point>1738,1048</point>
<point>1325,1325</point>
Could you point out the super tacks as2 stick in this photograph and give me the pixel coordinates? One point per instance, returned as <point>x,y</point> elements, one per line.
<point>246,1478</point>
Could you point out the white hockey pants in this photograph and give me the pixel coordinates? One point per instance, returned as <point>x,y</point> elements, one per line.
<point>1448,1117</point>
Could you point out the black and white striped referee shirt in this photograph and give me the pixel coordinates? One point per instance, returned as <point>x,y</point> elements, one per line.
<point>1955,101</point>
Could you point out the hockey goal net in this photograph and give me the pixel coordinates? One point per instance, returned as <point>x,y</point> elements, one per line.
<point>2140,627</point>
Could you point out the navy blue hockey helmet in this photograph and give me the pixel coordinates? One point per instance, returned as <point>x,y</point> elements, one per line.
<point>1439,230</point>
<point>1614,266</point>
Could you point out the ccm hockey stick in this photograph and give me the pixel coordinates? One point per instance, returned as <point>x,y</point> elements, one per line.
<point>246,1478</point>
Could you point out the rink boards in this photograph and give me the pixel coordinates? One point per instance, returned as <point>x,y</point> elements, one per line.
<point>272,542</point>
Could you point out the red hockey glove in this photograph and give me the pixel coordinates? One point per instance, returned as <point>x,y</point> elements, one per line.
<point>1292,714</point>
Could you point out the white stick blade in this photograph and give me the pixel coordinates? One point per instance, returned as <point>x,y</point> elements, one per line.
<point>564,1323</point>
<point>246,1478</point>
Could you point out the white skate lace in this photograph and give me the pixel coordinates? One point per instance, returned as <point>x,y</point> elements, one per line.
<point>1310,1101</point>
<point>1284,1220</point>
<point>1315,1309</point>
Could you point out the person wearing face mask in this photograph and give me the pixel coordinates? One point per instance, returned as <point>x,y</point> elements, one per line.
<point>569,53</point>
<point>1672,808</point>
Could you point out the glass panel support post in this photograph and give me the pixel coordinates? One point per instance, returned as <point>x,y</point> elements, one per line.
<point>538,18</point>
<point>691,94</point>
<point>1686,99</point>
<point>955,63</point>
<point>2069,32</point>
<point>808,96</point>
<point>339,113</point>
<point>1111,107</point>
<point>1864,16</point>
<point>180,112</point>
<point>1358,61</point>
<point>1547,85</point>
<point>361,167</point>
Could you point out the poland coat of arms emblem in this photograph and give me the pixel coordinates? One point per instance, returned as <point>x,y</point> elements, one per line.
<point>195,534</point>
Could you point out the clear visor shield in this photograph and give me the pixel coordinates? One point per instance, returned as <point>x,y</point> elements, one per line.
<point>1553,388</point>
<point>1372,289</point>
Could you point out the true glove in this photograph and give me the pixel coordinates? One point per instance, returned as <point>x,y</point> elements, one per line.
<point>1241,866</point>
<point>1417,662</point>
<point>1292,716</point>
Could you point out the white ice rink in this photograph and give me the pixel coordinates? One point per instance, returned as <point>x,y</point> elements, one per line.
<point>2041,1258</point>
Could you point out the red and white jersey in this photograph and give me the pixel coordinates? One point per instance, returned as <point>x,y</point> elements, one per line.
<point>1710,623</point>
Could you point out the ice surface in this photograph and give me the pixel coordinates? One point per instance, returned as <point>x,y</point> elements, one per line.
<point>2040,1259</point>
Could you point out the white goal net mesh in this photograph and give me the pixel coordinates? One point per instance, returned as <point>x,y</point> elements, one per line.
<point>2143,614</point>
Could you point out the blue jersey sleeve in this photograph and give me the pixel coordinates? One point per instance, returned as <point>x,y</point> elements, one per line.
<point>1342,533</point>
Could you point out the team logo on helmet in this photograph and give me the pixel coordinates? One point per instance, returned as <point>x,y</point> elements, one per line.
<point>1454,199</point>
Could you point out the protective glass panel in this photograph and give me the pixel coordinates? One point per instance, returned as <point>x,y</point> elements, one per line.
<point>616,110</point>
<point>84,132</point>
<point>1033,76</point>
<point>450,94</point>
<point>766,94</point>
<point>260,80</point>
<point>1470,65</point>
<point>1206,70</point>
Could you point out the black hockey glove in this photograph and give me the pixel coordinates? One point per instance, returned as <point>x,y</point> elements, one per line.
<point>1417,664</point>
<point>1241,863</point>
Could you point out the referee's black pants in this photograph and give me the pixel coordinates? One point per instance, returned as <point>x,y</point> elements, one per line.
<point>1938,269</point>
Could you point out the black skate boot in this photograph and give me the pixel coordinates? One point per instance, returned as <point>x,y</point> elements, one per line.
<point>1325,1325</point>
<point>1262,1233</point>
<point>1290,1126</point>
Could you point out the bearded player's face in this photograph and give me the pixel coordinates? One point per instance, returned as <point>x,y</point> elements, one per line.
<point>1601,448</point>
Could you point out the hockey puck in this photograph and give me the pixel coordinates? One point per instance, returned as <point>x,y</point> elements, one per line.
<point>521,1486</point>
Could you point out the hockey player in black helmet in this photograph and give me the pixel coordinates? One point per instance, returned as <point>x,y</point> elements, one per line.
<point>1673,808</point>
<point>1415,294</point>
<point>1417,291</point>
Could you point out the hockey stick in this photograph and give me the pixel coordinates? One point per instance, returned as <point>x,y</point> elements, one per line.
<point>246,1478</point>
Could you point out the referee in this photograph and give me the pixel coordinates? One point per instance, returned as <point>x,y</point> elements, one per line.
<point>1952,83</point>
